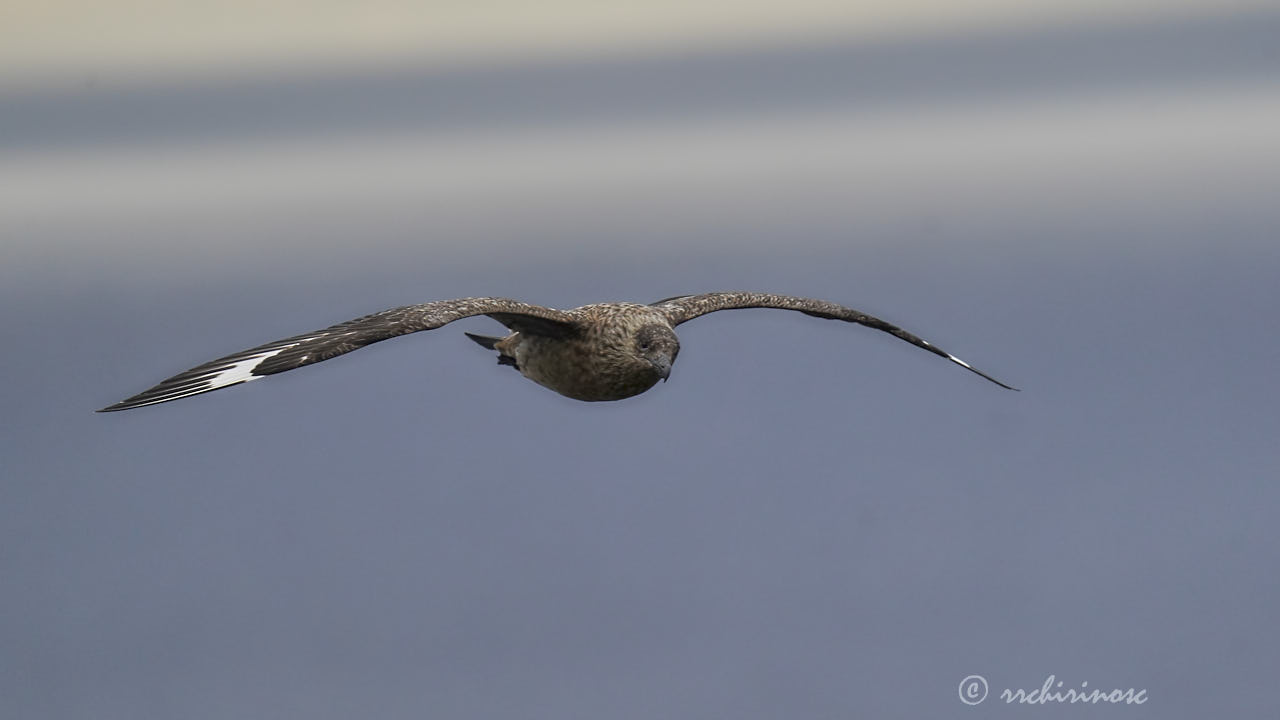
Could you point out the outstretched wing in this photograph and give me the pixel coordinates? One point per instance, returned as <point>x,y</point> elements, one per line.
<point>300,350</point>
<point>687,307</point>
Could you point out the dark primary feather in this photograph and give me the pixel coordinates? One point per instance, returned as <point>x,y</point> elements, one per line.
<point>683,308</point>
<point>309,348</point>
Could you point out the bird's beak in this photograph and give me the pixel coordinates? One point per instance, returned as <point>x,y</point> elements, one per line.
<point>663,366</point>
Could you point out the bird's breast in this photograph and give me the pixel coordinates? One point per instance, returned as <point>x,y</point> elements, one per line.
<point>582,369</point>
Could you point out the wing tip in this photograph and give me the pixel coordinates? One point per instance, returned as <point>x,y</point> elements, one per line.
<point>971,368</point>
<point>126,404</point>
<point>151,397</point>
<point>130,404</point>
<point>988,377</point>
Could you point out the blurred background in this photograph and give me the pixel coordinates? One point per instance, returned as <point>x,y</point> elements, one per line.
<point>809,520</point>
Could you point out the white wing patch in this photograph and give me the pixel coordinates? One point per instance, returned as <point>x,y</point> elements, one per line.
<point>241,371</point>
<point>951,357</point>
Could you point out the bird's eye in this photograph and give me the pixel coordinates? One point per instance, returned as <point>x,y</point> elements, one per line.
<point>644,345</point>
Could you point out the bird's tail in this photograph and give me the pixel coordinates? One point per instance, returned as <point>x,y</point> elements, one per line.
<point>486,341</point>
<point>491,343</point>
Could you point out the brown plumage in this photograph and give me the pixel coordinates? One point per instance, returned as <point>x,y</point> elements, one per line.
<point>606,351</point>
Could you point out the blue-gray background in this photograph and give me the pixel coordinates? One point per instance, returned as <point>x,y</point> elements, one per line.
<point>809,520</point>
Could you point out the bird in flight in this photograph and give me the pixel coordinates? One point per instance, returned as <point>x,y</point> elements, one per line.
<point>605,351</point>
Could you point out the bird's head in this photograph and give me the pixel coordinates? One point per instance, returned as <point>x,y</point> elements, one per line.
<point>657,345</point>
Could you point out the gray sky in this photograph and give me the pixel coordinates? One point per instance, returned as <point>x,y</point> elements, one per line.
<point>808,520</point>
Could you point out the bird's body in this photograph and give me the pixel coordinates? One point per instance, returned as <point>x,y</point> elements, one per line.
<point>603,362</point>
<point>604,351</point>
